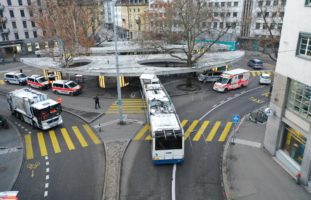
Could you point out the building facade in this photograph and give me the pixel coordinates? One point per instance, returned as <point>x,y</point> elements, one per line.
<point>18,33</point>
<point>288,131</point>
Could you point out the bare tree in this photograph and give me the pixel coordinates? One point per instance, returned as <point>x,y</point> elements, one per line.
<point>272,18</point>
<point>71,23</point>
<point>183,22</point>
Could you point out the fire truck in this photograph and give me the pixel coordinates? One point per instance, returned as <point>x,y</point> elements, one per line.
<point>232,79</point>
<point>35,108</point>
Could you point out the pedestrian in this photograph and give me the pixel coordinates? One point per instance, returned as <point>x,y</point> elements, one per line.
<point>21,70</point>
<point>96,102</point>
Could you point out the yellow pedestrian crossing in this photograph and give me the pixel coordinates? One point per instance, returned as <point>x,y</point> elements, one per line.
<point>197,129</point>
<point>45,143</point>
<point>2,82</point>
<point>213,132</point>
<point>129,106</point>
<point>258,73</point>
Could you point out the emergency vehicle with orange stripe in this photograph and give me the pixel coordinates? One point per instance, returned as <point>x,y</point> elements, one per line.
<point>233,79</point>
<point>38,81</point>
<point>66,87</point>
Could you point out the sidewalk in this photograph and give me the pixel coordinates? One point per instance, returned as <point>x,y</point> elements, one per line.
<point>249,172</point>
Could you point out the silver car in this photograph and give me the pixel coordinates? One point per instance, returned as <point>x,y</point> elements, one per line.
<point>255,63</point>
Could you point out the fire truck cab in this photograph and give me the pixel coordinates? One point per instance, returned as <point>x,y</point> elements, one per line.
<point>232,79</point>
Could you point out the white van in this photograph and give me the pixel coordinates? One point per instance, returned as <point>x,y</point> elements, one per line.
<point>15,78</point>
<point>232,79</point>
<point>66,87</point>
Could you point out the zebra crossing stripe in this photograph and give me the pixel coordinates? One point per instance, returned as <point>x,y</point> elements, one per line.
<point>67,139</point>
<point>42,146</point>
<point>79,136</point>
<point>190,129</point>
<point>184,122</point>
<point>201,131</point>
<point>28,146</point>
<point>148,138</point>
<point>225,132</point>
<point>141,132</point>
<point>1,82</point>
<point>253,73</point>
<point>55,143</point>
<point>213,132</point>
<point>91,134</point>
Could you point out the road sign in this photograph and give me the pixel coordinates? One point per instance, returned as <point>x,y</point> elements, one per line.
<point>236,119</point>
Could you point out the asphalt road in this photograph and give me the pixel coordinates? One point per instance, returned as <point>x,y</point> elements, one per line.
<point>62,173</point>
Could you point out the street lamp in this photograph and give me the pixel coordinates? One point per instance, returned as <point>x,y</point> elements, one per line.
<point>121,119</point>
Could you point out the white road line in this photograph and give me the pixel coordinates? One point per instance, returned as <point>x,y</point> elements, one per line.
<point>46,157</point>
<point>29,132</point>
<point>26,129</point>
<point>214,105</point>
<point>235,96</point>
<point>47,163</point>
<point>47,177</point>
<point>247,143</point>
<point>47,170</point>
<point>173,182</point>
<point>46,185</point>
<point>46,193</point>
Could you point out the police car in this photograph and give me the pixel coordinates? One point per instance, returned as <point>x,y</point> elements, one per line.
<point>15,78</point>
<point>66,87</point>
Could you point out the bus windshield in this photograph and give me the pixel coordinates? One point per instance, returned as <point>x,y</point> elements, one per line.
<point>48,112</point>
<point>223,80</point>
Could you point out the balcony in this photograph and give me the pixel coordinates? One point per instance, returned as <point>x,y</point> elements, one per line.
<point>5,31</point>
<point>3,20</point>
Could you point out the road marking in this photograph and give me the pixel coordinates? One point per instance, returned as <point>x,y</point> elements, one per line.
<point>79,136</point>
<point>142,132</point>
<point>46,185</point>
<point>148,138</point>
<point>2,82</point>
<point>92,135</point>
<point>201,131</point>
<point>190,129</point>
<point>184,122</point>
<point>253,73</point>
<point>174,182</point>
<point>256,100</point>
<point>67,139</point>
<point>28,145</point>
<point>55,143</point>
<point>42,146</point>
<point>213,132</point>
<point>258,73</point>
<point>225,132</point>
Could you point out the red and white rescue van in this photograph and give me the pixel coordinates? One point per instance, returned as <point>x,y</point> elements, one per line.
<point>232,79</point>
<point>38,81</point>
<point>66,87</point>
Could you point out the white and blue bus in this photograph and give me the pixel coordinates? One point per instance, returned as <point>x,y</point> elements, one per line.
<point>165,127</point>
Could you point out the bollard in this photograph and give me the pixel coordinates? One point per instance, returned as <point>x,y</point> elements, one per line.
<point>298,179</point>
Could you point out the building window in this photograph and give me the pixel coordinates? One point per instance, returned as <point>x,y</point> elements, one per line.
<point>233,25</point>
<point>274,14</point>
<point>308,3</point>
<point>215,25</point>
<point>20,2</point>
<point>210,4</point>
<point>9,2</point>
<point>221,25</point>
<point>16,36</point>
<point>299,98</point>
<point>222,14</point>
<point>25,24</point>
<point>257,25</point>
<point>260,3</point>
<point>280,26</point>
<point>35,34</point>
<point>294,144</point>
<point>11,13</point>
<point>216,4</point>
<point>264,26</point>
<point>304,45</point>
<point>22,13</point>
<point>272,26</point>
<point>259,14</point>
<point>228,14</point>
<point>235,14</point>
<point>29,2</point>
<point>281,14</point>
<point>33,24</point>
<point>215,14</point>
<point>14,25</point>
<point>228,25</point>
<point>275,2</point>
<point>236,4</point>
<point>223,4</point>
<point>30,13</point>
<point>39,2</point>
<point>283,2</point>
<point>268,3</point>
<point>229,4</point>
<point>26,35</point>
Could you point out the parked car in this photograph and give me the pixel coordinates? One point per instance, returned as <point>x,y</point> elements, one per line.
<point>66,87</point>
<point>209,76</point>
<point>265,79</point>
<point>15,78</point>
<point>255,63</point>
<point>38,81</point>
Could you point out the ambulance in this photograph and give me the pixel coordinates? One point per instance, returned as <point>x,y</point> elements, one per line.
<point>231,80</point>
<point>66,87</point>
<point>38,81</point>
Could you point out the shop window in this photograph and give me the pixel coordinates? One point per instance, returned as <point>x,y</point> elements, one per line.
<point>294,144</point>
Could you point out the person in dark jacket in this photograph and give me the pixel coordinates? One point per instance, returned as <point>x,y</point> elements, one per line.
<point>96,102</point>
